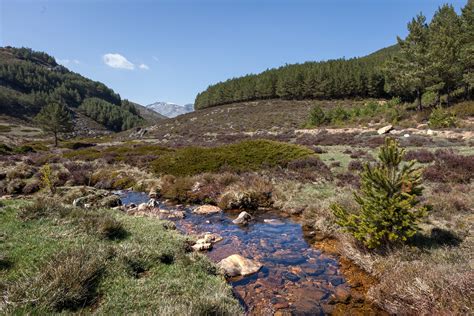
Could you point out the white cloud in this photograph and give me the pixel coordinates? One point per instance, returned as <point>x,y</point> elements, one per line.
<point>155,58</point>
<point>144,67</point>
<point>117,61</point>
<point>77,62</point>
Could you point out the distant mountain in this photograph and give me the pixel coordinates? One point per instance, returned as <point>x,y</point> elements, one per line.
<point>170,109</point>
<point>149,115</point>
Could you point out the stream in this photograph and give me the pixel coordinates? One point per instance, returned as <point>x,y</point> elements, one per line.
<point>295,278</point>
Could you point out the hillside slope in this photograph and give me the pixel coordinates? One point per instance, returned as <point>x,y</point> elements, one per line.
<point>29,80</point>
<point>333,79</point>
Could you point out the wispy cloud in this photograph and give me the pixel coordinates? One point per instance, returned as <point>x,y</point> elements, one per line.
<point>155,58</point>
<point>144,67</point>
<point>117,61</point>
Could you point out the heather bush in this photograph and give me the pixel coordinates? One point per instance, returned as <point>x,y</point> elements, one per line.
<point>355,165</point>
<point>450,167</point>
<point>388,201</point>
<point>15,186</point>
<point>310,168</point>
<point>420,155</point>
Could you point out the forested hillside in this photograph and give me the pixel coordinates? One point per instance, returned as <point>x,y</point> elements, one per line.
<point>29,80</point>
<point>435,58</point>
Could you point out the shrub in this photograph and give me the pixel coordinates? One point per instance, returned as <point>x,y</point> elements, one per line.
<point>15,186</point>
<point>252,193</point>
<point>103,225</point>
<point>441,118</point>
<point>176,188</point>
<point>450,167</point>
<point>420,155</point>
<point>310,168</point>
<point>68,281</point>
<point>47,178</point>
<point>388,200</point>
<point>244,156</point>
<point>355,165</point>
<point>32,187</point>
<point>317,116</point>
<point>42,207</point>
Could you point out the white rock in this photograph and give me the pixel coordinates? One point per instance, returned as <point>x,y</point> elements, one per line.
<point>273,221</point>
<point>201,246</point>
<point>235,265</point>
<point>406,135</point>
<point>430,132</point>
<point>243,218</point>
<point>384,130</point>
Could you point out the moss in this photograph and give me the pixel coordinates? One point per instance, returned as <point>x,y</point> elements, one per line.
<point>243,156</point>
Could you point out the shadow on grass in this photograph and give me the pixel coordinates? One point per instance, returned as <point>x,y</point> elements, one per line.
<point>438,238</point>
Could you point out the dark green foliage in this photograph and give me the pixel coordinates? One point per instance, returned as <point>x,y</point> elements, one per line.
<point>442,118</point>
<point>116,118</point>
<point>55,118</point>
<point>437,57</point>
<point>387,111</point>
<point>317,117</point>
<point>30,80</point>
<point>388,200</point>
<point>243,156</point>
<point>333,79</point>
<point>409,73</point>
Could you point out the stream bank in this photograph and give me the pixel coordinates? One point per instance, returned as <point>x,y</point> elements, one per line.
<point>296,278</point>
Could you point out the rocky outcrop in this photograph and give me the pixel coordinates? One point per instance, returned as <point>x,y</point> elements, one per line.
<point>207,209</point>
<point>236,265</point>
<point>243,219</point>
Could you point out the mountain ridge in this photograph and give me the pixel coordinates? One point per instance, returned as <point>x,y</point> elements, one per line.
<point>170,109</point>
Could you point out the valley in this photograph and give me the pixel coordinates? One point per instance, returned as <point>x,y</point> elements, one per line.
<point>327,187</point>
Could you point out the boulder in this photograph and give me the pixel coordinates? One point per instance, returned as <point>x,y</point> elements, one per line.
<point>243,218</point>
<point>207,209</point>
<point>384,130</point>
<point>235,265</point>
<point>153,203</point>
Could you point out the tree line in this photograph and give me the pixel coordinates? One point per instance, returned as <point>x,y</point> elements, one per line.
<point>434,58</point>
<point>30,80</point>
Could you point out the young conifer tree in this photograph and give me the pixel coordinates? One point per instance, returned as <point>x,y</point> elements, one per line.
<point>389,200</point>
<point>54,118</point>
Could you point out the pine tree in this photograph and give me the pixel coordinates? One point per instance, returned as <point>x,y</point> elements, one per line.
<point>388,200</point>
<point>444,47</point>
<point>410,71</point>
<point>54,118</point>
<point>467,46</point>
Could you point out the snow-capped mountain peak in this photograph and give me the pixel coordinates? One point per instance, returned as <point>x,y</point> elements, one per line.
<point>169,109</point>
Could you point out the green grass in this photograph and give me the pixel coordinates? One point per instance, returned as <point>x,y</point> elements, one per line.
<point>147,272</point>
<point>243,156</point>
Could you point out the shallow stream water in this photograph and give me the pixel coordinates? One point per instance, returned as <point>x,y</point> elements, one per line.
<point>295,278</point>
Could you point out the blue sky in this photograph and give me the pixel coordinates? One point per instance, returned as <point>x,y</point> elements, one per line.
<point>170,50</point>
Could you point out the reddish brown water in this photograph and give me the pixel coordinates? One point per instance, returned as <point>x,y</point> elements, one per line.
<point>295,278</point>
